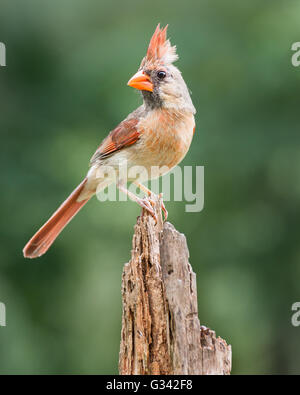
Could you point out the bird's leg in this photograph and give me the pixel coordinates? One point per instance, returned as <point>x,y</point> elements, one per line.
<point>149,193</point>
<point>144,203</point>
<point>145,190</point>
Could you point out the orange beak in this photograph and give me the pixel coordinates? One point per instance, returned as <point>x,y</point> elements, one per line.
<point>141,81</point>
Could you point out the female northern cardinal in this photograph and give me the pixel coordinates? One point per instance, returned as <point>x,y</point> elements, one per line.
<point>158,133</point>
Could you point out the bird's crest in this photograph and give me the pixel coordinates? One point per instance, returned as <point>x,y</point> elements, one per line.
<point>160,49</point>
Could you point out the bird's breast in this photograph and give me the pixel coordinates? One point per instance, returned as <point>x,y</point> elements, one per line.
<point>165,138</point>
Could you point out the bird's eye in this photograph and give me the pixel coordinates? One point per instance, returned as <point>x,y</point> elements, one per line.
<point>161,74</point>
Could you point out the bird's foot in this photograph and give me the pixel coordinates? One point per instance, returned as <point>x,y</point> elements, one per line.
<point>163,207</point>
<point>146,204</point>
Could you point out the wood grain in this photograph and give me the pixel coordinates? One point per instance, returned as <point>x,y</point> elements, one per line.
<point>161,332</point>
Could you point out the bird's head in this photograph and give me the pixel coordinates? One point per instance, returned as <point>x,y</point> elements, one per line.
<point>159,80</point>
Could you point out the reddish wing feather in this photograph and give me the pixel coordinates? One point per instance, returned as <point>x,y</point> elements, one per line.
<point>122,136</point>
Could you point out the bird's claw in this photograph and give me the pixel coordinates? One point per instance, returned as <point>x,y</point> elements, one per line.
<point>145,204</point>
<point>163,207</point>
<point>149,205</point>
<point>152,202</point>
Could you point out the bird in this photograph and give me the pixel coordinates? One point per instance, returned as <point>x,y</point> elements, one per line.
<point>157,135</point>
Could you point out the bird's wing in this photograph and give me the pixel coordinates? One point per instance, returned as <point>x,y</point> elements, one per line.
<point>125,134</point>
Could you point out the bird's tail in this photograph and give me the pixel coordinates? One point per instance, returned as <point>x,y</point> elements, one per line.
<point>46,235</point>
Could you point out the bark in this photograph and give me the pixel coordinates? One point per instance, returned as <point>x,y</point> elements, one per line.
<point>161,332</point>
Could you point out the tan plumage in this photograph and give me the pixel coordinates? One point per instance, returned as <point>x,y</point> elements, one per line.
<point>158,133</point>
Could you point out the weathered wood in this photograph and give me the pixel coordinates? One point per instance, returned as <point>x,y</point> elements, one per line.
<point>161,332</point>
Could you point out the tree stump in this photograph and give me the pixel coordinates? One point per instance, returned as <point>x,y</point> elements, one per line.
<point>161,332</point>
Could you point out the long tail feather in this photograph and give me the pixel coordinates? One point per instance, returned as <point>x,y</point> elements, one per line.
<point>46,235</point>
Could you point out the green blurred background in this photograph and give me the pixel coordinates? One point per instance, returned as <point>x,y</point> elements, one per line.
<point>63,89</point>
